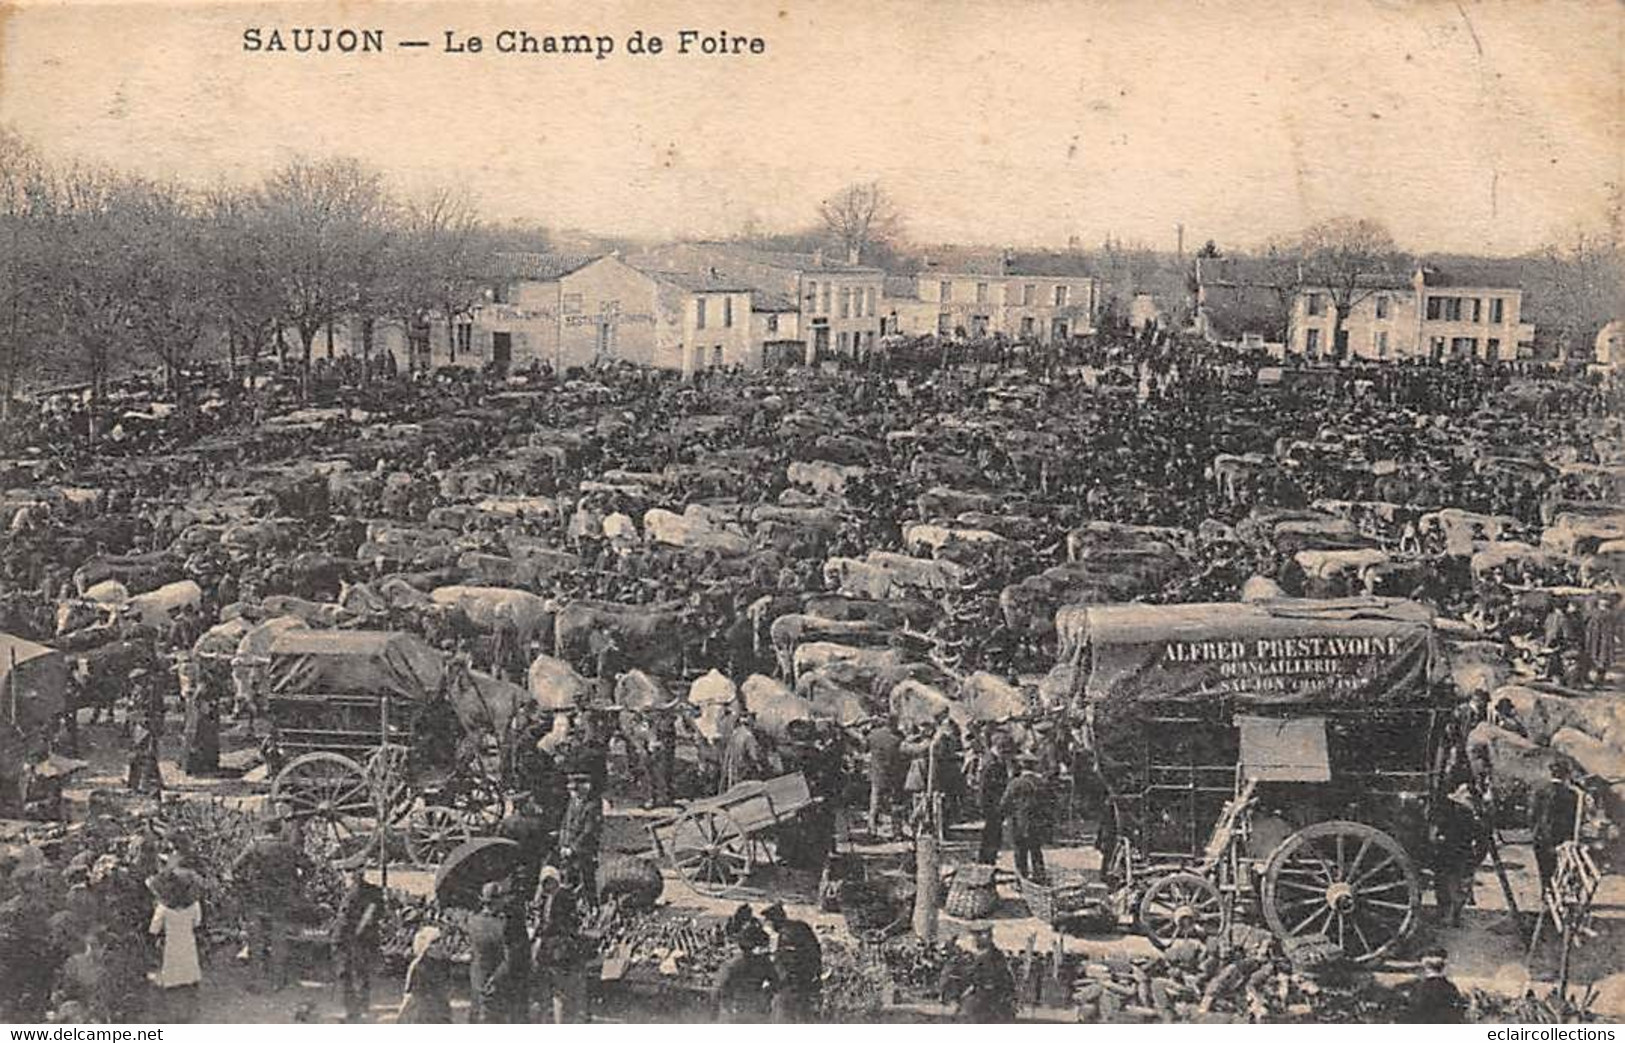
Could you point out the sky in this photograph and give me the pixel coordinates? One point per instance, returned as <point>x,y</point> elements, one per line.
<point>1485,127</point>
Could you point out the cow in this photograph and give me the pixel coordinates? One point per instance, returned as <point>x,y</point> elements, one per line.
<point>882,574</point>
<point>789,631</point>
<point>823,477</point>
<point>791,539</point>
<point>808,517</point>
<point>943,502</point>
<point>945,467</point>
<point>138,572</point>
<point>652,637</point>
<point>891,614</point>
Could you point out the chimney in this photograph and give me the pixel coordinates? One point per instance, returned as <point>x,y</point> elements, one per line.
<point>1007,261</point>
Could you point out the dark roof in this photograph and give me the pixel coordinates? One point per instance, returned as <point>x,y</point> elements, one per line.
<point>1043,264</point>
<point>1488,272</point>
<point>534,267</point>
<point>700,282</point>
<point>767,300</point>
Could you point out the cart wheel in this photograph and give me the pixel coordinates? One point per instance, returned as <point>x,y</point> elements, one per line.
<point>433,831</point>
<point>1182,905</point>
<point>332,798</point>
<point>1349,881</point>
<point>721,859</point>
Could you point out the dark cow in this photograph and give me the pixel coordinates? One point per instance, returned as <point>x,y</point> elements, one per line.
<point>651,637</point>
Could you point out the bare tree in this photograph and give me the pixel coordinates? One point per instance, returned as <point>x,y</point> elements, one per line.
<point>860,216</point>
<point>1281,270</point>
<point>329,228</point>
<point>443,257</point>
<point>1582,279</point>
<point>22,184</point>
<point>1345,256</point>
<point>173,295</point>
<point>237,246</point>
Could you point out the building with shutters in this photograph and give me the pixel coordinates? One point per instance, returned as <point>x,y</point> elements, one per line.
<point>1434,314</point>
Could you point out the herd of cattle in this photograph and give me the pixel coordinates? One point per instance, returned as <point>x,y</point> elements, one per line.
<point>854,548</point>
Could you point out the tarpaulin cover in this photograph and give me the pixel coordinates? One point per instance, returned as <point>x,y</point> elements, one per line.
<point>354,662</point>
<point>1289,750</point>
<point>1333,653</point>
<point>33,682</point>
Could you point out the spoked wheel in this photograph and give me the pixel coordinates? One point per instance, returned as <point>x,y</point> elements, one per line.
<point>434,831</point>
<point>332,799</point>
<point>1349,881</point>
<point>1182,905</point>
<point>717,857</point>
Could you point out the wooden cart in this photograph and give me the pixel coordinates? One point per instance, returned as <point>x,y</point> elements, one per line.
<point>714,843</point>
<point>1276,760</point>
<point>369,736</point>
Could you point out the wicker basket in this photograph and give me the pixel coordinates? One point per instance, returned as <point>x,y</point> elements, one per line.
<point>973,893</point>
<point>1067,894</point>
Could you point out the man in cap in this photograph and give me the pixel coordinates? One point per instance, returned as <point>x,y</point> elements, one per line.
<point>979,982</point>
<point>1025,805</point>
<point>1435,1000</point>
<point>580,833</point>
<point>1456,835</point>
<point>798,960</point>
<point>885,763</point>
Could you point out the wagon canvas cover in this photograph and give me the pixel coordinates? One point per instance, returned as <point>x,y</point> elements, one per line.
<point>354,662</point>
<point>1286,652</point>
<point>33,682</point>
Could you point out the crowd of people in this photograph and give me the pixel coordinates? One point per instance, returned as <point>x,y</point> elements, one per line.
<point>272,509</point>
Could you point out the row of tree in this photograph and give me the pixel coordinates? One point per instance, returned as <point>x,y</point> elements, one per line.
<point>102,273</point>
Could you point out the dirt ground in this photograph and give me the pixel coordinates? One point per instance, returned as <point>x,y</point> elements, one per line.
<point>1487,952</point>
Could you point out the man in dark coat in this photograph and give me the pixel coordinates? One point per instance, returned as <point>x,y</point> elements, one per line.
<point>991,782</point>
<point>266,875</point>
<point>355,941</point>
<point>1553,811</point>
<point>1456,834</point>
<point>885,770</point>
<point>1025,805</point>
<point>499,964</point>
<point>798,960</point>
<point>580,834</point>
<point>980,982</point>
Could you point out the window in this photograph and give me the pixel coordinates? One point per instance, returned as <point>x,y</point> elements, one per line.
<point>824,301</point>
<point>869,301</point>
<point>945,291</point>
<point>716,357</point>
<point>981,293</point>
<point>1492,348</point>
<point>699,314</point>
<point>1060,296</point>
<point>1379,342</point>
<point>727,311</point>
<point>1382,307</point>
<point>1029,294</point>
<point>845,341</point>
<point>465,336</point>
<point>812,297</point>
<point>945,324</point>
<point>1444,309</point>
<point>1315,304</point>
<point>772,324</point>
<point>1497,311</point>
<point>846,302</point>
<point>1476,310</point>
<point>1311,341</point>
<point>572,304</point>
<point>1463,347</point>
<point>1436,347</point>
